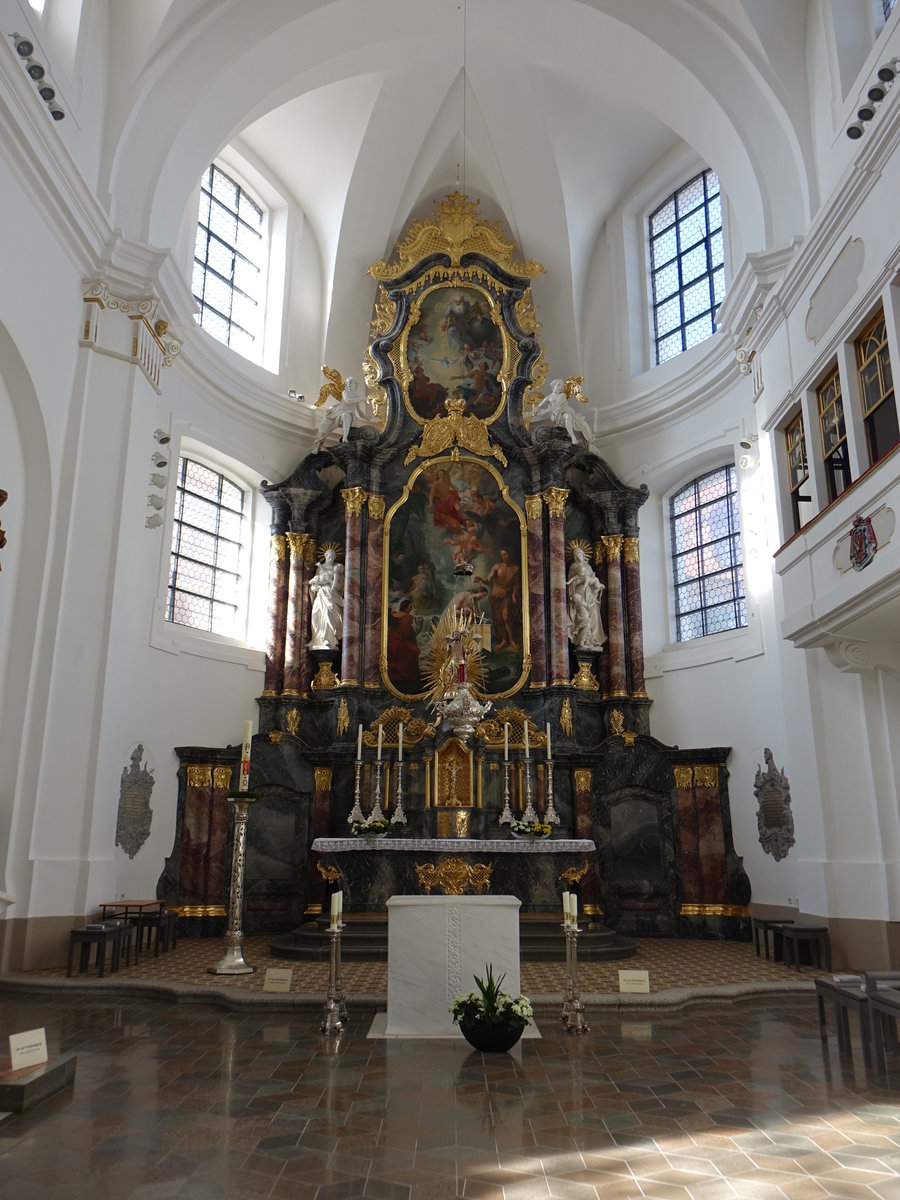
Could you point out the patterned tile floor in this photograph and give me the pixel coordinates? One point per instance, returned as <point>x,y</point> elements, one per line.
<point>702,1101</point>
<point>706,1102</point>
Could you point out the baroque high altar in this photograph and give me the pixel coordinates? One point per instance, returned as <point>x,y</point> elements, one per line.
<point>463,501</point>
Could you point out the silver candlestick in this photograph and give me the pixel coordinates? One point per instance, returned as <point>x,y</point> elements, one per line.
<point>551,816</point>
<point>572,1015</point>
<point>399,817</point>
<point>356,813</point>
<point>529,814</point>
<point>232,961</point>
<point>376,814</point>
<point>506,817</point>
<point>331,1021</point>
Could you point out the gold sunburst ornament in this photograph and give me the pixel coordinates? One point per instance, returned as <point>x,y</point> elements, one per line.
<point>453,669</point>
<point>578,544</point>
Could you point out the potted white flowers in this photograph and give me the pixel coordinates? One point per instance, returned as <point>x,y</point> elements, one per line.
<point>491,1019</point>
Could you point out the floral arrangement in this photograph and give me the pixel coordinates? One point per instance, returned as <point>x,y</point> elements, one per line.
<point>535,829</point>
<point>489,1004</point>
<point>370,828</point>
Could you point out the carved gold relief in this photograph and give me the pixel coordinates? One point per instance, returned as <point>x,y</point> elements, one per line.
<point>584,680</point>
<point>632,550</point>
<point>292,722</point>
<point>471,433</point>
<point>297,543</point>
<point>616,722</point>
<point>200,910</point>
<point>453,775</point>
<point>329,874</point>
<point>279,547</point>
<point>453,876</point>
<point>706,776</point>
<point>414,728</point>
<point>221,778</point>
<point>198,777</point>
<point>323,779</point>
<point>684,777</point>
<point>533,506</point>
<point>573,390</point>
<point>455,229</point>
<point>325,679</point>
<point>275,736</point>
<point>383,314</point>
<point>565,717</point>
<point>573,875</point>
<point>492,730</point>
<point>714,910</point>
<point>343,718</point>
<point>582,780</point>
<point>555,499</point>
<point>527,317</point>
<point>376,508</point>
<point>354,498</point>
<point>612,546</point>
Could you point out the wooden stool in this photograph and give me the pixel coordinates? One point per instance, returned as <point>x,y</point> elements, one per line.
<point>763,926</point>
<point>846,997</point>
<point>172,917</point>
<point>815,936</point>
<point>158,922</point>
<point>100,936</point>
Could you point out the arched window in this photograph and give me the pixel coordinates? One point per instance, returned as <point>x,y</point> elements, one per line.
<point>707,556</point>
<point>230,256</point>
<point>687,265</point>
<point>205,589</point>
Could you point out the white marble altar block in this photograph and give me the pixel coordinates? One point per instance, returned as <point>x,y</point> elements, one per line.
<point>436,944</point>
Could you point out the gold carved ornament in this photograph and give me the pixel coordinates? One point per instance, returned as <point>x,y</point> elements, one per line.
<point>325,679</point>
<point>555,499</point>
<point>354,498</point>
<point>533,507</point>
<point>577,544</point>
<point>471,433</point>
<point>706,776</point>
<point>199,776</point>
<point>414,728</point>
<point>565,718</point>
<point>573,875</point>
<point>584,679</point>
<point>617,728</point>
<point>456,229</point>
<point>275,736</point>
<point>322,777</point>
<point>582,780</point>
<point>612,545</point>
<point>714,910</point>
<point>278,547</point>
<point>572,387</point>
<point>376,508</point>
<point>221,778</point>
<point>632,550</point>
<point>491,730</point>
<point>453,876</point>
<point>292,722</point>
<point>684,777</point>
<point>343,718</point>
<point>329,874</point>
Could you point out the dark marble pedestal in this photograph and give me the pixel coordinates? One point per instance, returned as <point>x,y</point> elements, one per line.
<point>21,1090</point>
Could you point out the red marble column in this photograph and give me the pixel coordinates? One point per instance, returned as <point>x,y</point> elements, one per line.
<point>277,623</point>
<point>294,640</point>
<point>635,621</point>
<point>353,498</point>
<point>307,569</point>
<point>603,656</point>
<point>589,887</point>
<point>618,682</point>
<point>710,834</point>
<point>321,821</point>
<point>374,568</point>
<point>555,499</point>
<point>204,836</point>
<point>691,890</point>
<point>538,611</point>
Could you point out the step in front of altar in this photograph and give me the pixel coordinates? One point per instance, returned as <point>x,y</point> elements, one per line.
<point>365,939</point>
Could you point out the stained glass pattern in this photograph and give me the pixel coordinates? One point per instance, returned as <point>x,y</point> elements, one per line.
<point>228,256</point>
<point>876,385</point>
<point>687,265</point>
<point>204,570</point>
<point>707,556</point>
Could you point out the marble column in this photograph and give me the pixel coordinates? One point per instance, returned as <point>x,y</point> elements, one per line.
<point>276,630</point>
<point>538,618</point>
<point>555,499</point>
<point>374,568</point>
<point>321,827</point>
<point>618,680</point>
<point>294,629</point>
<point>307,569</point>
<point>354,499</point>
<point>635,622</point>
<point>589,886</point>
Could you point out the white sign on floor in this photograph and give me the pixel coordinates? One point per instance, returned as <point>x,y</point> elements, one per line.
<point>28,1049</point>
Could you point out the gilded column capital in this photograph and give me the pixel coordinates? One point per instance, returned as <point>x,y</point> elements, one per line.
<point>323,779</point>
<point>199,776</point>
<point>612,546</point>
<point>684,777</point>
<point>632,550</point>
<point>533,506</point>
<point>582,780</point>
<point>222,778</point>
<point>376,507</point>
<point>354,499</point>
<point>555,499</point>
<point>706,776</point>
<point>278,547</point>
<point>297,543</point>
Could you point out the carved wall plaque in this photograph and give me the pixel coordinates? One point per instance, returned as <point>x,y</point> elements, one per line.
<point>135,813</point>
<point>774,818</point>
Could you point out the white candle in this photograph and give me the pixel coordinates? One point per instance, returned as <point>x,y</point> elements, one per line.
<point>565,896</point>
<point>244,780</point>
<point>549,756</point>
<point>335,906</point>
<point>340,897</point>
<point>380,732</point>
<point>400,745</point>
<point>573,907</point>
<point>506,742</point>
<point>526,737</point>
<point>359,745</point>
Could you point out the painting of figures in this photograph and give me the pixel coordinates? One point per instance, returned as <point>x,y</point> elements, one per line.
<point>454,514</point>
<point>455,351</point>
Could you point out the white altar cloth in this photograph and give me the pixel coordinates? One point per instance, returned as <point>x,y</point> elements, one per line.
<point>436,944</point>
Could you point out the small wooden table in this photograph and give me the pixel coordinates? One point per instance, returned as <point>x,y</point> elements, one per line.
<point>815,936</point>
<point>131,908</point>
<point>146,914</point>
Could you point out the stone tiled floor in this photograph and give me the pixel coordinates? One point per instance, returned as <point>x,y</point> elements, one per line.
<point>711,1101</point>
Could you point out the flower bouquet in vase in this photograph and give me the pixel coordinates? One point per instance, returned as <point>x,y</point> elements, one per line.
<point>535,831</point>
<point>491,1019</point>
<point>370,829</point>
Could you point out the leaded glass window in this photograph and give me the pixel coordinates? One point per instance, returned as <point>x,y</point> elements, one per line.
<point>798,469</point>
<point>876,386</point>
<point>835,454</point>
<point>228,262</point>
<point>707,556</point>
<point>204,571</point>
<point>687,265</point>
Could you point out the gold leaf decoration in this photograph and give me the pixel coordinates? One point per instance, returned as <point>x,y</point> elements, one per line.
<point>455,430</point>
<point>565,717</point>
<point>343,718</point>
<point>453,876</point>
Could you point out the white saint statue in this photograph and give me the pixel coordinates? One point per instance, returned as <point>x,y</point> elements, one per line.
<point>555,409</point>
<point>327,591</point>
<point>584,594</point>
<point>347,407</point>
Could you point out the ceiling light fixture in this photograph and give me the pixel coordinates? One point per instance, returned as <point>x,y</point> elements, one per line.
<point>855,131</point>
<point>24,48</point>
<point>867,110</point>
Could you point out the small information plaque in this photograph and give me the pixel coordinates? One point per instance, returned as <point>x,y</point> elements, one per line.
<point>27,1049</point>
<point>278,979</point>
<point>634,981</point>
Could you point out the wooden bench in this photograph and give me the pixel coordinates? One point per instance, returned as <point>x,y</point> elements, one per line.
<point>101,935</point>
<point>814,936</point>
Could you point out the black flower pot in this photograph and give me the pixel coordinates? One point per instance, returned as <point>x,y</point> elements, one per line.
<point>494,1039</point>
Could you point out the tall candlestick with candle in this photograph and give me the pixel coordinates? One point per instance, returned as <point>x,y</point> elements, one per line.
<point>506,741</point>
<point>244,779</point>
<point>526,738</point>
<point>549,755</point>
<point>359,744</point>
